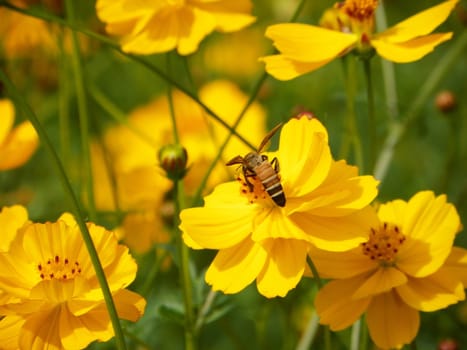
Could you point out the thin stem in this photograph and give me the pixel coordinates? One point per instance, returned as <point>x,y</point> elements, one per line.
<point>355,335</point>
<point>389,76</point>
<point>310,332</point>
<point>171,104</point>
<point>63,104</point>
<point>351,137</point>
<point>371,113</point>
<point>397,129</point>
<point>155,268</point>
<point>82,112</point>
<point>203,312</point>
<point>74,203</point>
<point>190,337</point>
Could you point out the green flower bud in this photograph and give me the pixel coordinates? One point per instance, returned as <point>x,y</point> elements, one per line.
<point>173,159</point>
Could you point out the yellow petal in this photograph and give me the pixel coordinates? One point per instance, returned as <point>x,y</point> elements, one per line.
<point>393,212</point>
<point>382,280</point>
<point>235,268</point>
<point>304,155</point>
<point>391,322</point>
<point>211,228</point>
<point>41,330</point>
<point>284,68</point>
<point>7,113</point>
<point>456,264</point>
<point>18,147</point>
<point>284,267</point>
<point>430,225</point>
<point>341,264</point>
<point>433,292</point>
<point>229,15</point>
<point>10,328</point>
<point>335,234</point>
<point>274,224</point>
<point>194,25</point>
<point>11,220</point>
<point>334,305</point>
<point>306,43</point>
<point>409,51</point>
<point>418,25</point>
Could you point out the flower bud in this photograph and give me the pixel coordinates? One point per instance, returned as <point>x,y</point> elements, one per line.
<point>446,101</point>
<point>448,344</point>
<point>173,159</point>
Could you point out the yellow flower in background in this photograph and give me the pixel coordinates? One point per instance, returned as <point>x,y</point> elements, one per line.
<point>17,144</point>
<point>326,205</point>
<point>56,301</point>
<point>304,48</point>
<point>137,186</point>
<point>407,265</point>
<point>23,34</point>
<point>157,26</point>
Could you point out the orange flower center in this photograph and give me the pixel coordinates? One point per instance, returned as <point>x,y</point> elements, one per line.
<point>58,268</point>
<point>384,243</point>
<point>360,10</point>
<point>254,191</point>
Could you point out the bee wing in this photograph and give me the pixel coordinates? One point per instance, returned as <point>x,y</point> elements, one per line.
<point>268,137</point>
<point>235,160</point>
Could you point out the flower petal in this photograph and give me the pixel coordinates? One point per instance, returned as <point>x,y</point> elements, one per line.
<point>235,268</point>
<point>411,50</point>
<point>284,68</point>
<point>10,328</point>
<point>194,26</point>
<point>211,228</point>
<point>433,292</point>
<point>341,264</point>
<point>430,225</point>
<point>307,43</point>
<point>382,280</point>
<point>19,146</point>
<point>274,224</point>
<point>11,220</point>
<point>335,234</point>
<point>7,111</point>
<point>420,24</point>
<point>304,155</point>
<point>284,267</point>
<point>334,305</point>
<point>391,322</point>
<point>456,264</point>
<point>41,330</point>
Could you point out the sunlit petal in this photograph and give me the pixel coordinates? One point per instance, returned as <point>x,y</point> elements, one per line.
<point>456,264</point>
<point>422,23</point>
<point>235,268</point>
<point>19,146</point>
<point>7,111</point>
<point>10,328</point>
<point>382,280</point>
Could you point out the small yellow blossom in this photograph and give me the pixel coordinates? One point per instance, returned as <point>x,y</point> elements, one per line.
<point>54,299</point>
<point>157,26</point>
<point>349,25</point>
<point>407,265</point>
<point>326,202</point>
<point>17,144</point>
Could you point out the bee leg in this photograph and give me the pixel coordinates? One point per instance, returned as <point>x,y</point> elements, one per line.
<point>275,164</point>
<point>246,175</point>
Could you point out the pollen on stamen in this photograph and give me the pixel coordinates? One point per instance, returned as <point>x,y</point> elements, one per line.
<point>359,9</point>
<point>254,190</point>
<point>58,269</point>
<point>384,243</point>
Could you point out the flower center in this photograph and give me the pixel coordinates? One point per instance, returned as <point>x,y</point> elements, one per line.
<point>254,190</point>
<point>384,243</point>
<point>58,268</point>
<point>360,10</point>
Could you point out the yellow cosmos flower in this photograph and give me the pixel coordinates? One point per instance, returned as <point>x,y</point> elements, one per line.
<point>304,48</point>
<point>55,299</point>
<point>325,205</point>
<point>138,185</point>
<point>17,144</point>
<point>157,26</point>
<point>407,265</point>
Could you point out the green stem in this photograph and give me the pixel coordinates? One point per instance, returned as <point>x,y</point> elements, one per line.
<point>351,137</point>
<point>171,104</point>
<point>371,114</point>
<point>83,113</point>
<point>397,129</point>
<point>310,333</point>
<point>203,312</point>
<point>63,104</point>
<point>355,335</point>
<point>389,76</point>
<point>150,277</point>
<point>74,203</point>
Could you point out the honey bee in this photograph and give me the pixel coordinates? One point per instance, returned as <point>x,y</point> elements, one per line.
<point>257,164</point>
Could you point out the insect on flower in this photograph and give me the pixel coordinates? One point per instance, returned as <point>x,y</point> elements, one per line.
<point>255,164</point>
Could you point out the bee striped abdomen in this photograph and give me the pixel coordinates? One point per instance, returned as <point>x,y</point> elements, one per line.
<point>271,182</point>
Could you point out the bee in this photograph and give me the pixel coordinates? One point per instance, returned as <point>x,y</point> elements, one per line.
<point>257,164</point>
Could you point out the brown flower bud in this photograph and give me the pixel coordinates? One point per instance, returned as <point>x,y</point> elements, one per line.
<point>446,101</point>
<point>448,344</point>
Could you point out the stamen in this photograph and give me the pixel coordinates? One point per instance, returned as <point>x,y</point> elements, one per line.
<point>384,243</point>
<point>57,268</point>
<point>257,193</point>
<point>360,10</point>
